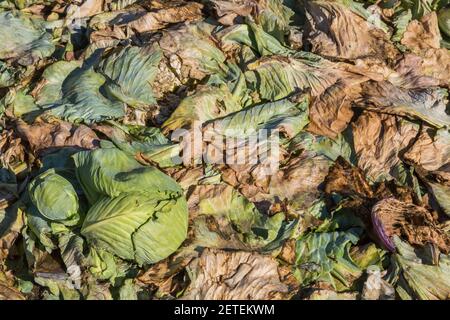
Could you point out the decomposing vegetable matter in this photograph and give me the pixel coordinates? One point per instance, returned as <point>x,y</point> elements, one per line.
<point>105,193</point>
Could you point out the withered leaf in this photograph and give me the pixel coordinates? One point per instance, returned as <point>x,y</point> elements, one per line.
<point>234,276</point>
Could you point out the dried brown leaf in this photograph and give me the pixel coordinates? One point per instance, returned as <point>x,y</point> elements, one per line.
<point>430,151</point>
<point>379,139</point>
<point>43,135</point>
<point>335,31</point>
<point>423,39</point>
<point>155,20</point>
<point>234,276</point>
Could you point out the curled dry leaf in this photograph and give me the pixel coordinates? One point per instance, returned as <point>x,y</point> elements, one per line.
<point>284,184</point>
<point>160,18</point>
<point>422,35</point>
<point>234,276</point>
<point>11,224</point>
<point>87,9</point>
<point>431,150</point>
<point>12,151</point>
<point>331,112</point>
<point>333,28</point>
<point>423,39</point>
<point>44,135</point>
<point>379,139</point>
<point>164,274</point>
<point>427,104</point>
<point>229,11</point>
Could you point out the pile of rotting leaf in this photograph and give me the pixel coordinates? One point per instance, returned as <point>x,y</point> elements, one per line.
<point>93,204</point>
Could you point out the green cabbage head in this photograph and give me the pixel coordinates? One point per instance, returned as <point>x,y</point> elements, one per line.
<point>55,198</point>
<point>138,212</point>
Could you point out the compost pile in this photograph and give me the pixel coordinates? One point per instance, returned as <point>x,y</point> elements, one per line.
<point>97,200</point>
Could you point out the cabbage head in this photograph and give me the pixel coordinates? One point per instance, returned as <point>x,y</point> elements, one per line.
<point>55,198</point>
<point>138,213</point>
